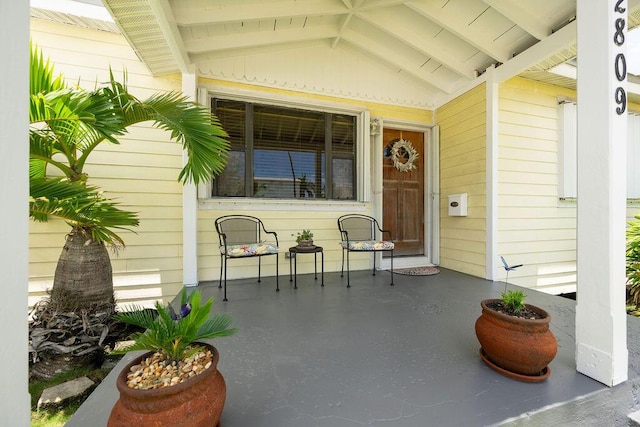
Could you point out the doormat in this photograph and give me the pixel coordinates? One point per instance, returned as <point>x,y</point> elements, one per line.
<point>417,271</point>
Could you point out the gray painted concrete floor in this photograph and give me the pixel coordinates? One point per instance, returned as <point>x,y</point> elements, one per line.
<point>376,355</point>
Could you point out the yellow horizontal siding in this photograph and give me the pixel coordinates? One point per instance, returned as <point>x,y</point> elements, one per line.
<point>141,172</point>
<point>526,143</point>
<point>547,234</point>
<point>535,189</point>
<point>138,160</point>
<point>525,200</point>
<point>534,227</point>
<point>462,125</point>
<point>535,222</point>
<point>463,233</point>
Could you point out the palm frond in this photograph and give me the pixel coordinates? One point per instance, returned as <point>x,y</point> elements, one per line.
<point>173,336</point>
<point>81,206</point>
<point>137,316</point>
<point>217,326</point>
<point>41,74</point>
<point>68,123</point>
<point>199,132</point>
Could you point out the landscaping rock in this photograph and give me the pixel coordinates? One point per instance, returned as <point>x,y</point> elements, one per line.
<point>62,392</point>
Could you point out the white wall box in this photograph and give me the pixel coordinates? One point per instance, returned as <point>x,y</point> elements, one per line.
<point>458,204</point>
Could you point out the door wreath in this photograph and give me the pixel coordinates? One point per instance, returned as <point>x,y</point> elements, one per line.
<point>403,155</point>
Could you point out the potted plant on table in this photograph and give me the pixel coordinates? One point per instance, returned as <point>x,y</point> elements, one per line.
<point>515,338</point>
<point>305,239</point>
<point>177,382</point>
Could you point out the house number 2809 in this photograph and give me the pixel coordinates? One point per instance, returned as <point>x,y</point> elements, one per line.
<point>620,63</point>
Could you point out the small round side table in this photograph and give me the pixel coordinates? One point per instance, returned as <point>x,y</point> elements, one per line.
<point>293,255</point>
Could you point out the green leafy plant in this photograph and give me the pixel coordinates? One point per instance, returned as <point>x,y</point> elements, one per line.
<point>173,334</point>
<point>633,261</point>
<point>304,235</point>
<point>513,301</point>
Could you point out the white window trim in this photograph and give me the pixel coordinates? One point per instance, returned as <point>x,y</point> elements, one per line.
<point>363,156</point>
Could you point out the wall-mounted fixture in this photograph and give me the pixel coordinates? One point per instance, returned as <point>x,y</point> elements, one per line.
<point>458,204</point>
<point>374,127</point>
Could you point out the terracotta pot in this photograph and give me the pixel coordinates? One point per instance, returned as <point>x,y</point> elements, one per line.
<point>518,348</point>
<point>197,401</point>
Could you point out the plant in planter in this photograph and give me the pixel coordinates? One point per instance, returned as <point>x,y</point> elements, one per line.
<point>513,302</point>
<point>515,338</point>
<point>305,238</point>
<point>178,381</point>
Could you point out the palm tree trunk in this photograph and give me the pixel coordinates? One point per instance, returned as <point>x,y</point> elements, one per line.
<point>83,277</point>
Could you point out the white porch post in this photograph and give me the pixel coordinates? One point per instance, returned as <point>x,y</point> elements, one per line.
<point>14,217</point>
<point>492,175</point>
<point>601,325</point>
<point>189,207</point>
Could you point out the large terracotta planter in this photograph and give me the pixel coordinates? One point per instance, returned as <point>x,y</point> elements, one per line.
<point>517,348</point>
<point>196,402</point>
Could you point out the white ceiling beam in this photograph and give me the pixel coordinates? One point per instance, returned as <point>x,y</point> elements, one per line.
<point>424,44</point>
<point>261,38</point>
<point>571,72</point>
<point>163,14</point>
<point>562,39</point>
<point>375,4</point>
<point>478,39</point>
<point>343,27</point>
<point>512,10</point>
<point>254,50</point>
<point>189,12</point>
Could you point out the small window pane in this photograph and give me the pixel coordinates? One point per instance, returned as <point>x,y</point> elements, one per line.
<point>232,116</point>
<point>343,150</point>
<point>343,129</point>
<point>343,179</point>
<point>288,150</point>
<point>230,183</point>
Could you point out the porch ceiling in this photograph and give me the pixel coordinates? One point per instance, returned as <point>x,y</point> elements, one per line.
<point>439,44</point>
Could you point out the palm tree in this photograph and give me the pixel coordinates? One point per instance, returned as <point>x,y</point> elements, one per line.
<point>66,125</point>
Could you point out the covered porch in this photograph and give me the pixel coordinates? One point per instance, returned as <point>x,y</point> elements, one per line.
<point>376,355</point>
<point>433,375</point>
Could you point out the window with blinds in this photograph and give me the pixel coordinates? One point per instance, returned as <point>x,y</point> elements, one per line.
<point>286,153</point>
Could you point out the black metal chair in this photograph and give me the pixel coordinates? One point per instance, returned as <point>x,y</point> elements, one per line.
<point>362,233</point>
<point>243,236</point>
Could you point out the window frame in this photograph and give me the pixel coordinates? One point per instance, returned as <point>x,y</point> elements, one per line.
<point>362,156</point>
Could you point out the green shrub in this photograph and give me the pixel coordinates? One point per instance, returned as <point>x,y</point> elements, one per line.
<point>633,261</point>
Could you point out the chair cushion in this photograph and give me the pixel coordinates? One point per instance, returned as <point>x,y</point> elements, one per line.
<point>250,249</point>
<point>368,245</point>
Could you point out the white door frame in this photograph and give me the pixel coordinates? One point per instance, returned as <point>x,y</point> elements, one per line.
<point>431,191</point>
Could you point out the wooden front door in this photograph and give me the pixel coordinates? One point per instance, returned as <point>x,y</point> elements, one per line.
<point>403,190</point>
